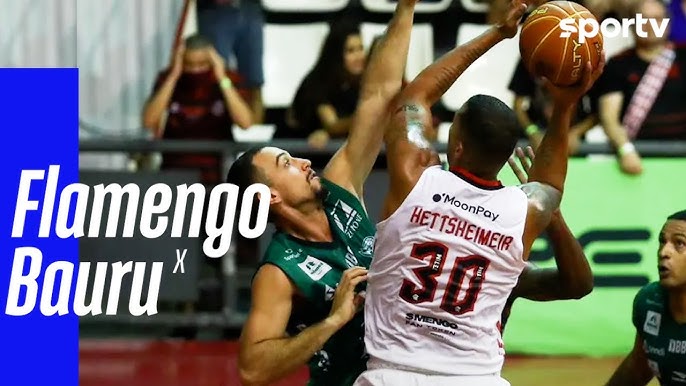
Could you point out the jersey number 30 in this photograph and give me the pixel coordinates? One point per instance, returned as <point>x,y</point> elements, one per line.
<point>437,253</point>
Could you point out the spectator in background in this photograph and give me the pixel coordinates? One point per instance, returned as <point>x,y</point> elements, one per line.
<point>196,99</point>
<point>642,92</point>
<point>235,28</point>
<point>326,99</point>
<point>533,106</point>
<point>677,21</point>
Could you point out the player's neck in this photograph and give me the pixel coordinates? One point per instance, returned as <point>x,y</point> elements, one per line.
<point>677,304</point>
<point>309,225</point>
<point>463,168</point>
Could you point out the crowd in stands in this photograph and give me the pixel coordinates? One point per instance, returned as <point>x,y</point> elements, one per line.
<point>641,97</point>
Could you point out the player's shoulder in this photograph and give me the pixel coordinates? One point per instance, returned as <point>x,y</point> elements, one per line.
<point>649,308</point>
<point>335,192</point>
<point>339,201</point>
<point>650,295</point>
<point>295,261</point>
<point>282,250</point>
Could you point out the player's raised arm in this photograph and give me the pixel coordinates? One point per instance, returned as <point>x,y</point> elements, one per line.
<point>549,170</point>
<point>408,152</point>
<point>381,81</point>
<point>634,370</point>
<point>573,278</point>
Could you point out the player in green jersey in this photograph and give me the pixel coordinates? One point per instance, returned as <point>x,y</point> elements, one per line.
<point>659,315</point>
<point>306,295</point>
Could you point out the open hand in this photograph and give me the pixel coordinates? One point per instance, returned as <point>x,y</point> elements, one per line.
<point>346,303</point>
<point>525,160</point>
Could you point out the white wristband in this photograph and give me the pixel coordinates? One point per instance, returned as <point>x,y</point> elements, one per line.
<point>627,148</point>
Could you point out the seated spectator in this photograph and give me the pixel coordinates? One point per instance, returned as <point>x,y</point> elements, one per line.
<point>677,21</point>
<point>327,97</point>
<point>196,99</point>
<point>533,107</point>
<point>641,94</point>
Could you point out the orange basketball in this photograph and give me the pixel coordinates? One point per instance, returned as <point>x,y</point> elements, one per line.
<point>560,59</point>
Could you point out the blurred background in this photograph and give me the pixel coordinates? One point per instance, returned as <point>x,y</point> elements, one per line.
<point>152,110</point>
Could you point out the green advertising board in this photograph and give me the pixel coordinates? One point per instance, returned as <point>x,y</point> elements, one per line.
<point>617,219</point>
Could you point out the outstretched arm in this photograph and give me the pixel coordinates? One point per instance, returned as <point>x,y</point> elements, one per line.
<point>549,170</point>
<point>408,151</point>
<point>573,278</point>
<point>382,80</point>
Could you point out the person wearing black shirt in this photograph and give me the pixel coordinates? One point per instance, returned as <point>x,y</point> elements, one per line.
<point>666,117</point>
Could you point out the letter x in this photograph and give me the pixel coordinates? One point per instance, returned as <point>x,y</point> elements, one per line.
<point>179,260</point>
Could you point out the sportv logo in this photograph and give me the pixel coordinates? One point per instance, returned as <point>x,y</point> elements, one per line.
<point>588,28</point>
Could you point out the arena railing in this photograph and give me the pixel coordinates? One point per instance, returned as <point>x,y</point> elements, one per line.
<point>231,317</point>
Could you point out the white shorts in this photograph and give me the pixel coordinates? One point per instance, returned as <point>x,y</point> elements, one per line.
<point>380,374</point>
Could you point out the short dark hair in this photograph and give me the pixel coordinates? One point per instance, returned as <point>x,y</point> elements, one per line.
<point>679,216</point>
<point>244,173</point>
<point>489,129</point>
<point>196,41</point>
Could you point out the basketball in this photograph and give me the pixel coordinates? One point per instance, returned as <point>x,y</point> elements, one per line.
<point>546,52</point>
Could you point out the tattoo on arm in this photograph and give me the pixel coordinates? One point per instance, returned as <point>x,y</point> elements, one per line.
<point>414,128</point>
<point>544,198</point>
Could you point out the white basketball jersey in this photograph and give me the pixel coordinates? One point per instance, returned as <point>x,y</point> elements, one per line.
<point>444,265</point>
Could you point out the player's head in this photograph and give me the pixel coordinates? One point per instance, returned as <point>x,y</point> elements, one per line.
<point>196,57</point>
<point>292,182</point>
<point>483,135</point>
<point>649,9</point>
<point>671,255</point>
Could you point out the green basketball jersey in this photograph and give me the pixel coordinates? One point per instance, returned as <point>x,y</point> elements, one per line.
<point>664,341</point>
<point>316,269</point>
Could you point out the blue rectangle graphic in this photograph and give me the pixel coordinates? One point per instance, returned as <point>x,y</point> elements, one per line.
<point>39,120</point>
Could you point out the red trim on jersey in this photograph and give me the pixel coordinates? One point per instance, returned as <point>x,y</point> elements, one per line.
<point>475,180</point>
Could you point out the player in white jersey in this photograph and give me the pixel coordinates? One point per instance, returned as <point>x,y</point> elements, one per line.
<point>452,244</point>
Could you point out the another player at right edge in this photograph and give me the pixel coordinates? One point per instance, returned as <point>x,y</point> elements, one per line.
<point>659,315</point>
<point>452,244</point>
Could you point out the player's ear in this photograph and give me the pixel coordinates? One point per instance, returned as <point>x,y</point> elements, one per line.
<point>275,197</point>
<point>458,149</point>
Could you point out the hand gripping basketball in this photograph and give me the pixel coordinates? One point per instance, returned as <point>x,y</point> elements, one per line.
<point>547,48</point>
<point>508,27</point>
<point>570,95</point>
